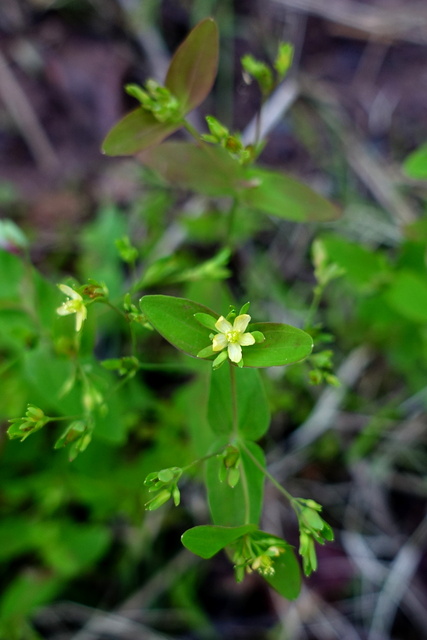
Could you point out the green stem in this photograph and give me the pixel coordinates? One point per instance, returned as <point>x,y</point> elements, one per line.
<point>318,292</point>
<point>60,418</point>
<point>192,130</point>
<point>268,475</point>
<point>114,308</point>
<point>204,458</point>
<point>243,478</point>
<point>246,497</point>
<point>231,217</point>
<point>233,392</point>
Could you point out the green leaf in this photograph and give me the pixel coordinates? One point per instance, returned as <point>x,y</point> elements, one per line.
<point>10,287</point>
<point>365,269</point>
<point>283,345</point>
<point>415,164</point>
<point>207,540</point>
<point>193,69</point>
<point>71,548</point>
<point>253,415</point>
<point>17,537</point>
<point>206,320</point>
<point>408,296</point>
<point>287,575</point>
<point>31,588</point>
<point>234,507</point>
<point>200,168</point>
<point>174,319</point>
<point>138,130</point>
<point>280,195</point>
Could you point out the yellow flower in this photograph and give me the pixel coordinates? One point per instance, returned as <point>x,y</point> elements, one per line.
<point>75,305</point>
<point>232,336</point>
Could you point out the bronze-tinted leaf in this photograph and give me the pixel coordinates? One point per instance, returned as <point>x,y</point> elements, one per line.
<point>280,195</point>
<point>136,131</point>
<point>194,66</point>
<point>202,168</point>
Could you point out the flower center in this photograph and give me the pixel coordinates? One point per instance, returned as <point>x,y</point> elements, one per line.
<point>232,336</point>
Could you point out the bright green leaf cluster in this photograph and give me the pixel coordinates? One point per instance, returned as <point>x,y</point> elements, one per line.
<point>257,551</point>
<point>33,421</point>
<point>127,251</point>
<point>284,58</point>
<point>312,529</point>
<point>219,134</point>
<point>260,71</point>
<point>126,366</point>
<point>322,368</point>
<point>324,270</point>
<point>251,550</point>
<point>157,100</point>
<point>79,435</point>
<point>230,463</point>
<point>133,314</point>
<point>263,73</point>
<point>165,482</point>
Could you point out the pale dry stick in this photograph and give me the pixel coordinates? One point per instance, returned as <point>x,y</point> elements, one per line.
<point>369,492</point>
<point>322,417</point>
<point>273,110</point>
<point>25,118</point>
<point>148,38</point>
<point>153,587</point>
<point>278,103</point>
<point>402,571</point>
<point>364,559</point>
<point>316,615</point>
<point>408,24</point>
<point>371,169</point>
<point>117,626</point>
<point>160,581</point>
<point>141,599</point>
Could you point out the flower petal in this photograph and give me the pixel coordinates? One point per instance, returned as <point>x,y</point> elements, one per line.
<point>80,318</point>
<point>219,342</point>
<point>223,326</point>
<point>234,352</point>
<point>64,310</point>
<point>70,292</point>
<point>246,339</point>
<point>241,322</point>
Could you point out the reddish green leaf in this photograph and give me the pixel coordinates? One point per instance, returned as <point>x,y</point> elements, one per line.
<point>201,168</point>
<point>193,68</point>
<point>136,131</point>
<point>280,195</point>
